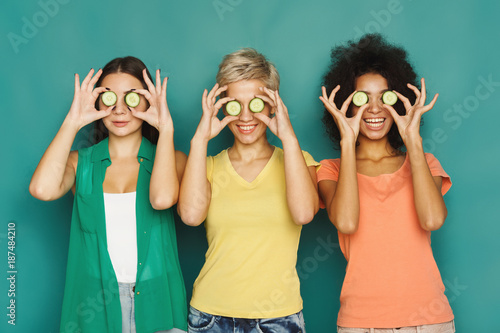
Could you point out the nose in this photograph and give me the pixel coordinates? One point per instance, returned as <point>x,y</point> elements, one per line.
<point>246,114</point>
<point>374,105</point>
<point>120,107</point>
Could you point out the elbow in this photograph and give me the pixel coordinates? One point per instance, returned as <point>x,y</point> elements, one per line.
<point>345,226</point>
<point>161,203</point>
<point>189,218</point>
<point>432,224</point>
<point>304,218</point>
<point>39,193</point>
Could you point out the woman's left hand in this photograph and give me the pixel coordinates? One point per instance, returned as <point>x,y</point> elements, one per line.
<point>409,124</point>
<point>280,124</point>
<point>158,114</point>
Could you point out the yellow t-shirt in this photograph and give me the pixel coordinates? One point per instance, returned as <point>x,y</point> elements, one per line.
<point>249,270</point>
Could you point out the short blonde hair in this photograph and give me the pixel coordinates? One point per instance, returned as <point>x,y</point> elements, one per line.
<point>248,64</point>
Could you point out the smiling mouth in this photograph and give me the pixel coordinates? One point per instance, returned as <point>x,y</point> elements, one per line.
<point>374,122</point>
<point>246,128</point>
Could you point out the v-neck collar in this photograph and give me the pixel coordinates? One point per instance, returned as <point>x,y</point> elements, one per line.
<point>259,177</point>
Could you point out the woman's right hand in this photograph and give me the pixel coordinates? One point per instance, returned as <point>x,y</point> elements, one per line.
<point>83,111</point>
<point>348,127</point>
<point>210,126</point>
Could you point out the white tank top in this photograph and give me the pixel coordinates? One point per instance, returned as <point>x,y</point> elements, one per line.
<point>121,234</point>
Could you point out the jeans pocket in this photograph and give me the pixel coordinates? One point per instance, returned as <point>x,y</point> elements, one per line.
<point>289,324</point>
<point>199,321</point>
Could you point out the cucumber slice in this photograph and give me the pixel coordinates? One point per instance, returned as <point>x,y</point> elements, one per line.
<point>360,98</point>
<point>109,98</point>
<point>233,108</point>
<point>132,99</point>
<point>256,105</point>
<point>389,97</point>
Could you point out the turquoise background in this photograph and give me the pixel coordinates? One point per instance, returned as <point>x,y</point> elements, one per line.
<point>454,45</point>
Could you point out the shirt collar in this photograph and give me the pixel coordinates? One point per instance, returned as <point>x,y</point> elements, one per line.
<point>145,156</point>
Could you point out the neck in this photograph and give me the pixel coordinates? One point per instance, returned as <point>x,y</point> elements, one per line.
<point>123,147</point>
<point>249,152</point>
<point>374,149</point>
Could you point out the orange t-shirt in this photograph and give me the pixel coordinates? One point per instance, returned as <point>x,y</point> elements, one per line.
<point>391,277</point>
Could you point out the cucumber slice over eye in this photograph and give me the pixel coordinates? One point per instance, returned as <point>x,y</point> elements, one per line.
<point>360,98</point>
<point>132,99</point>
<point>109,98</point>
<point>233,108</point>
<point>256,105</point>
<point>389,97</point>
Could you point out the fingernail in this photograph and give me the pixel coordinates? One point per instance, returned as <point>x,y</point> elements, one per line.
<point>132,89</point>
<point>107,88</point>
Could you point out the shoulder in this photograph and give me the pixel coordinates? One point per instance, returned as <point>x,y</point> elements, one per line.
<point>329,169</point>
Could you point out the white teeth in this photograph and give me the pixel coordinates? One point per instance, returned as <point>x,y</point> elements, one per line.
<point>247,128</point>
<point>374,120</point>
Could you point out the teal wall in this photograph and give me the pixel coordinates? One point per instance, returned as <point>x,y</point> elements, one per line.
<point>454,45</point>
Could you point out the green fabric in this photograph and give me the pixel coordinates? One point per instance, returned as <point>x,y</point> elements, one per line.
<point>91,299</point>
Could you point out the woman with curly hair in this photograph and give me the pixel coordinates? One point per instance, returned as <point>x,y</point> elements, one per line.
<point>384,194</point>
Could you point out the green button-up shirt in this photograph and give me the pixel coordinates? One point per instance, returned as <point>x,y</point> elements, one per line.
<point>91,298</point>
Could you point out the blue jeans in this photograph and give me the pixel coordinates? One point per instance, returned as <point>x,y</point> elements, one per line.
<point>199,321</point>
<point>128,311</point>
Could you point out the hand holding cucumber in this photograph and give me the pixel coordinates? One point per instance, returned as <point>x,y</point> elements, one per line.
<point>210,126</point>
<point>280,124</point>
<point>83,111</point>
<point>348,127</point>
<point>409,124</point>
<point>158,114</point>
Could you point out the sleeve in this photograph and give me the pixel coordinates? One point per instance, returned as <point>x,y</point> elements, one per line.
<point>210,168</point>
<point>329,170</point>
<point>310,160</point>
<point>438,171</point>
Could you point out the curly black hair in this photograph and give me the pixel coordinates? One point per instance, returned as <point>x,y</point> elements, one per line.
<point>371,54</point>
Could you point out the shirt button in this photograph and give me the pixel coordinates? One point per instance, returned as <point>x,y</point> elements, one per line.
<point>144,232</point>
<point>142,160</point>
<point>140,263</point>
<point>138,293</point>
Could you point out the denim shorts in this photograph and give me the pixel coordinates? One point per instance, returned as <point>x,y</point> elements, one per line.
<point>448,327</point>
<point>128,311</point>
<point>199,321</point>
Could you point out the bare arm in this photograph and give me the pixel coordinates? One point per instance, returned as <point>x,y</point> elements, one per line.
<point>301,189</point>
<point>341,198</point>
<point>55,174</point>
<point>429,202</point>
<point>196,192</point>
<point>164,184</point>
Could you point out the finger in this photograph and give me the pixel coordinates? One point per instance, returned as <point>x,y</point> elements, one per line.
<point>347,102</point>
<point>262,117</point>
<point>331,98</point>
<point>226,120</point>
<point>94,79</point>
<point>149,83</point>
<point>323,92</point>
<point>146,94</point>
<point>211,94</point>
<point>158,82</point>
<point>423,92</point>
<point>395,115</point>
<point>329,107</point>
<point>430,105</point>
<point>404,99</point>
<point>359,115</point>
<point>416,91</point>
<point>267,100</point>
<point>281,106</point>
<point>97,91</point>
<point>222,101</point>
<point>104,113</point>
<point>77,83</point>
<point>204,98</point>
<point>164,87</point>
<point>86,81</point>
